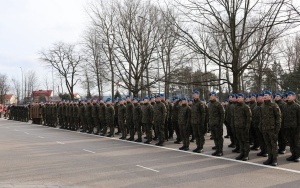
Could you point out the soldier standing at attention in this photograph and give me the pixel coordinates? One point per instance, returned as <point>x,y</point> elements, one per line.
<point>82,116</point>
<point>147,119</point>
<point>270,125</point>
<point>88,116</point>
<point>198,121</point>
<point>116,106</point>
<point>137,119</point>
<point>291,125</point>
<point>184,118</point>
<point>228,112</point>
<point>122,118</point>
<point>76,116</point>
<point>175,120</point>
<point>216,119</point>
<point>159,118</point>
<point>129,118</point>
<point>152,102</point>
<point>169,126</point>
<point>253,136</point>
<point>95,116</point>
<point>109,117</point>
<point>166,131</point>
<point>255,122</point>
<point>241,120</point>
<point>282,140</point>
<point>101,115</point>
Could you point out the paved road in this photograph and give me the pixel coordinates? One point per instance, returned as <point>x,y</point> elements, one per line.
<point>38,156</point>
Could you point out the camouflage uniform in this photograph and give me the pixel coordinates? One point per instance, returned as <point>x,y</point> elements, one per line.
<point>253,137</point>
<point>229,127</point>
<point>159,118</point>
<point>270,125</point>
<point>102,124</point>
<point>129,120</point>
<point>216,119</point>
<point>291,125</point>
<point>175,125</point>
<point>109,119</point>
<point>137,121</point>
<point>282,139</point>
<point>255,123</point>
<point>198,123</point>
<point>241,120</point>
<point>88,117</point>
<point>147,120</point>
<point>95,116</point>
<point>184,118</point>
<point>122,119</point>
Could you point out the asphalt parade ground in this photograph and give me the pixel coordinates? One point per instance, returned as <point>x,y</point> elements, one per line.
<point>39,156</point>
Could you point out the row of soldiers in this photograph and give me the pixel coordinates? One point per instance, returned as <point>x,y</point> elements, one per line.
<point>271,126</point>
<point>258,120</point>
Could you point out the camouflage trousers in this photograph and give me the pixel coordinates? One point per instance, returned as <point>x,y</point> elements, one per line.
<point>242,135</point>
<point>270,138</point>
<point>199,131</point>
<point>293,134</point>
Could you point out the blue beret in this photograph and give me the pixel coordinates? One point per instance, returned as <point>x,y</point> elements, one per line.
<point>135,99</point>
<point>108,99</point>
<point>240,95</point>
<point>175,97</point>
<point>260,95</point>
<point>196,92</point>
<point>157,96</point>
<point>146,97</point>
<point>290,93</point>
<point>231,95</point>
<point>162,95</point>
<point>184,99</point>
<point>267,92</point>
<point>152,97</point>
<point>253,95</point>
<point>278,93</point>
<point>212,93</point>
<point>128,96</point>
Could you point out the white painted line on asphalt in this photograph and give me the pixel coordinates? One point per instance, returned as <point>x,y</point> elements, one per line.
<point>88,151</point>
<point>16,130</point>
<point>192,153</point>
<point>60,142</point>
<point>26,132</point>
<point>147,168</point>
<point>40,137</point>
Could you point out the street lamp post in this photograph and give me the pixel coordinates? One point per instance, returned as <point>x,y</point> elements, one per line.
<point>21,85</point>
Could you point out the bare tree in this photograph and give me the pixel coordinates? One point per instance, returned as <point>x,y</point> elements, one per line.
<point>65,60</point>
<point>238,21</point>
<point>16,88</point>
<point>4,87</point>
<point>103,20</point>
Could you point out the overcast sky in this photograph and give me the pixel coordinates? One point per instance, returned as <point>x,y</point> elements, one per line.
<point>28,26</point>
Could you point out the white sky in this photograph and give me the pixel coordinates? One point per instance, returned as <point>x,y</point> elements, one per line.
<point>28,26</point>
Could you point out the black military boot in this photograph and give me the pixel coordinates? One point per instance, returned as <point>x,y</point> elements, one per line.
<point>240,157</point>
<point>182,148</point>
<point>130,139</point>
<point>274,162</point>
<point>214,147</point>
<point>297,159</point>
<point>232,145</point>
<point>268,161</point>
<point>198,150</point>
<point>160,143</point>
<point>236,150</point>
<point>291,158</point>
<point>245,157</point>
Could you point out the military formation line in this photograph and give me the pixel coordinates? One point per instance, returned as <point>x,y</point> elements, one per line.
<point>268,122</point>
